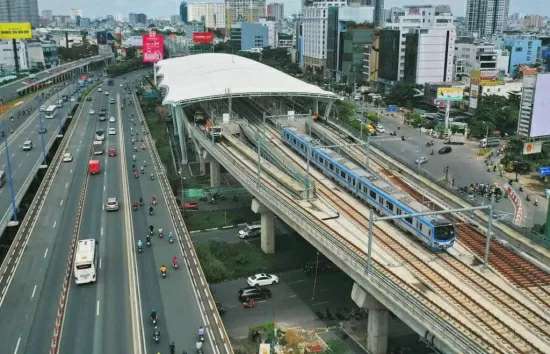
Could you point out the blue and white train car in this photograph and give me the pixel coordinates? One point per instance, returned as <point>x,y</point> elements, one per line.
<point>435,231</point>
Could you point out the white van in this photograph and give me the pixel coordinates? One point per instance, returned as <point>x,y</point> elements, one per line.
<point>250,231</point>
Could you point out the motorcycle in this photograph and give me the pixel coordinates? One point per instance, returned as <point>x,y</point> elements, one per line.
<point>198,346</point>
<point>163,274</point>
<point>135,206</point>
<point>154,320</point>
<point>429,143</point>
<point>140,202</point>
<point>152,176</point>
<point>140,248</point>
<point>170,238</point>
<point>249,304</point>
<point>402,137</point>
<point>148,241</point>
<point>175,264</point>
<point>156,336</point>
<point>161,233</point>
<point>151,211</point>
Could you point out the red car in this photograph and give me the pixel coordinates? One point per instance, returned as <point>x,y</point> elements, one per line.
<point>191,205</point>
<point>112,151</point>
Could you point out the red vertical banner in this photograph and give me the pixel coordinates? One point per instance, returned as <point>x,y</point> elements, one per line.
<point>153,47</point>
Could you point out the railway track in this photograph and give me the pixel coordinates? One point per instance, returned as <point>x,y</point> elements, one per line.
<point>487,345</point>
<point>477,312</point>
<point>522,273</point>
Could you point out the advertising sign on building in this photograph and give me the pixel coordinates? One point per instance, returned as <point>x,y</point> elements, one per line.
<point>101,37</point>
<point>15,30</point>
<point>532,148</point>
<point>203,37</point>
<point>540,124</point>
<point>153,47</point>
<point>450,93</point>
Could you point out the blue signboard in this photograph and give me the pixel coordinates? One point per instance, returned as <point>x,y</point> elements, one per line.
<point>392,108</point>
<point>544,171</point>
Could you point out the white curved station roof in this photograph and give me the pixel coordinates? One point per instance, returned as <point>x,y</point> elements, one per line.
<point>203,77</point>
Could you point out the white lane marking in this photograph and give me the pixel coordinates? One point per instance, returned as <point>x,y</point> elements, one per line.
<point>71,170</point>
<point>45,252</point>
<point>104,188</point>
<point>61,202</point>
<point>97,308</point>
<point>17,345</point>
<point>66,185</point>
<point>101,231</point>
<point>54,223</point>
<point>33,291</point>
<point>100,262</point>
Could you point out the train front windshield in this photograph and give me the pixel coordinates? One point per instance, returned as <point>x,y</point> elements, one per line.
<point>444,232</point>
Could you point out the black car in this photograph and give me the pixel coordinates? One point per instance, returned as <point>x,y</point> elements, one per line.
<point>254,292</point>
<point>445,150</point>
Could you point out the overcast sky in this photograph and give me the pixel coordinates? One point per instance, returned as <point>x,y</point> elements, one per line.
<point>155,8</point>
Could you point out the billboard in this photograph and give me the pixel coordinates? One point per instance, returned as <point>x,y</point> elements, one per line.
<point>153,47</point>
<point>540,121</point>
<point>203,37</point>
<point>15,30</point>
<point>532,148</point>
<point>450,93</point>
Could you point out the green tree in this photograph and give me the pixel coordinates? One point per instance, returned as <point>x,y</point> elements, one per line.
<point>495,115</point>
<point>403,94</point>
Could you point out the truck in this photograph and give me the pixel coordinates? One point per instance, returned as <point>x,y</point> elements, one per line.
<point>97,147</point>
<point>489,142</point>
<point>456,139</point>
<point>94,167</point>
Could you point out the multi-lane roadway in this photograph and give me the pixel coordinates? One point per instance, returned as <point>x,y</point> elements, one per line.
<point>111,315</point>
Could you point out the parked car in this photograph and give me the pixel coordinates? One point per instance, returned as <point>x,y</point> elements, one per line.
<point>254,292</point>
<point>191,205</point>
<point>111,204</point>
<point>421,160</point>
<point>112,119</point>
<point>67,157</point>
<point>262,279</point>
<point>250,231</point>
<point>99,135</point>
<point>445,150</point>
<point>112,131</point>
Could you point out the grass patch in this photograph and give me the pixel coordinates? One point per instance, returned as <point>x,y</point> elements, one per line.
<point>200,220</point>
<point>223,261</point>
<point>483,152</point>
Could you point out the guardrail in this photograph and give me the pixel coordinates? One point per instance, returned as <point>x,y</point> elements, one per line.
<point>380,280</point>
<point>204,297</point>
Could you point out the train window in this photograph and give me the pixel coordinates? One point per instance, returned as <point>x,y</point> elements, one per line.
<point>409,220</point>
<point>343,174</point>
<point>397,211</point>
<point>372,194</point>
<point>380,199</point>
<point>321,160</point>
<point>389,205</point>
<point>331,166</point>
<point>302,146</point>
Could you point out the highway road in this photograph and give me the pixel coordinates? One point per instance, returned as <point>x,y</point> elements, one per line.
<point>24,164</point>
<point>30,303</point>
<point>9,90</point>
<point>111,315</point>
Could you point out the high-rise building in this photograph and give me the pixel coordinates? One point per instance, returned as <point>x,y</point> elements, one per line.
<point>19,11</point>
<point>136,19</point>
<point>212,14</point>
<point>524,50</point>
<point>183,12</point>
<point>425,50</point>
<point>316,25</point>
<point>47,14</point>
<point>243,11</point>
<point>275,11</point>
<point>486,18</point>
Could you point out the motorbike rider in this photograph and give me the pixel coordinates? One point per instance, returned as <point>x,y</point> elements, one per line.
<point>172,348</point>
<point>151,210</point>
<point>153,315</point>
<point>140,244</point>
<point>161,232</point>
<point>201,333</point>
<point>140,201</point>
<point>148,239</point>
<point>163,269</point>
<point>175,261</point>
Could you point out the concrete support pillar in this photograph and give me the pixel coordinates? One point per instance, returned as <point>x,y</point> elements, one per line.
<point>177,116</point>
<point>268,226</point>
<point>378,320</point>
<point>215,174</point>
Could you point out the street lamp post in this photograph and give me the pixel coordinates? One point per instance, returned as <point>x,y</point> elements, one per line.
<point>4,135</point>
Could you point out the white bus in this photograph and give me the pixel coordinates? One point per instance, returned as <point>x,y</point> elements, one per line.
<point>85,262</point>
<point>50,111</point>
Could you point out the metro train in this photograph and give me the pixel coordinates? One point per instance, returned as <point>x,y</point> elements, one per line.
<point>435,231</point>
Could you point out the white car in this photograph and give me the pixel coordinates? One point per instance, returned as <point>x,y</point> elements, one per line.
<point>106,93</point>
<point>99,89</point>
<point>112,131</point>
<point>111,204</point>
<point>73,99</point>
<point>67,157</point>
<point>112,119</point>
<point>91,112</point>
<point>380,128</point>
<point>42,108</point>
<point>421,160</point>
<point>262,279</point>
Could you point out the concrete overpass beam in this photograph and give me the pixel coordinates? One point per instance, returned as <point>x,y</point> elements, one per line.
<point>378,320</point>
<point>268,226</point>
